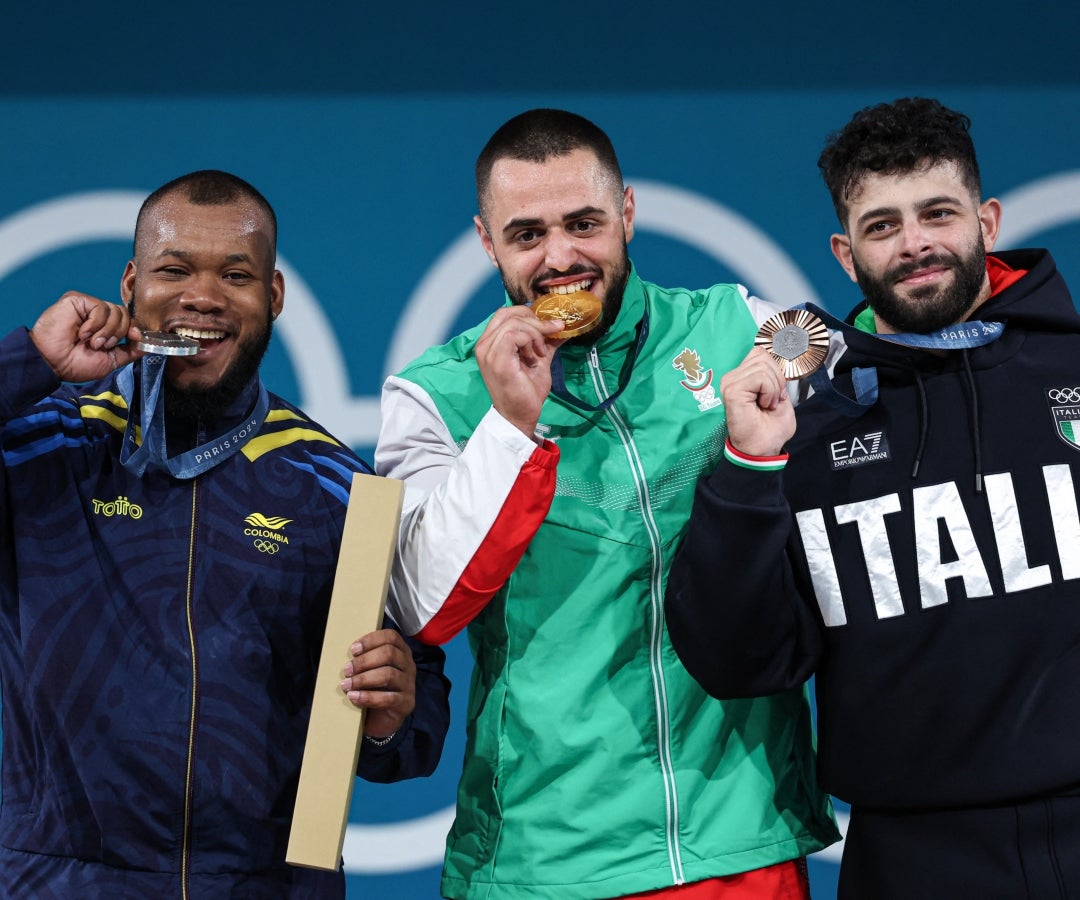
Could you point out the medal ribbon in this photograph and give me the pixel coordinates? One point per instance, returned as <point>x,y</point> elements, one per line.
<point>153,450</point>
<point>961,336</point>
<point>558,379</point>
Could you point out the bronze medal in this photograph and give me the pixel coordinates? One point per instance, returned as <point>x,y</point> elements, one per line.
<point>579,311</point>
<point>798,340</point>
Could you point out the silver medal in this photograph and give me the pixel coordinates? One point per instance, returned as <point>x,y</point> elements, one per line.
<point>167,344</point>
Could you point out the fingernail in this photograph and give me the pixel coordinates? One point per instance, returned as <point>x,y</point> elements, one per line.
<point>345,685</point>
<point>356,649</point>
<point>348,670</point>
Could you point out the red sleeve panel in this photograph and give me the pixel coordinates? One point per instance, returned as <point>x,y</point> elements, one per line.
<point>521,516</point>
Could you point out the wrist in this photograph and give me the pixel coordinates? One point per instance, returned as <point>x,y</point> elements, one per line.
<point>387,742</point>
<point>769,463</point>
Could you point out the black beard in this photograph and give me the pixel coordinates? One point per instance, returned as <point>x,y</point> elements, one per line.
<point>208,403</point>
<point>612,300</point>
<point>931,307</point>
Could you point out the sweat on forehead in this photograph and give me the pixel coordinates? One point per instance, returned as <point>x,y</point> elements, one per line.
<point>540,135</point>
<point>521,181</point>
<point>160,219</point>
<point>209,187</point>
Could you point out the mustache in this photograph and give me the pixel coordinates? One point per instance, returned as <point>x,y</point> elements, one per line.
<point>903,270</point>
<point>571,272</point>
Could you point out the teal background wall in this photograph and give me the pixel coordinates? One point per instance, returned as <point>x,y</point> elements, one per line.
<point>361,123</point>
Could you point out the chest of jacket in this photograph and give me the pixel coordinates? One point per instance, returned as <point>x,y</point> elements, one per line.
<point>627,473</point>
<point>946,488</point>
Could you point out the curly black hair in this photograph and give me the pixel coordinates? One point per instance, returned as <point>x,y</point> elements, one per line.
<point>892,138</point>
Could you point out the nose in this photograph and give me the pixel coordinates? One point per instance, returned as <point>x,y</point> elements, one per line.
<point>560,250</point>
<point>203,294</point>
<point>915,240</point>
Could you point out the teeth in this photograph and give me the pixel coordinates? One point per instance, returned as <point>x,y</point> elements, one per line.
<point>570,288</point>
<point>199,334</point>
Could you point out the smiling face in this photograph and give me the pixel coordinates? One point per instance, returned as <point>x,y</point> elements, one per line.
<point>559,226</point>
<point>916,244</point>
<point>207,272</point>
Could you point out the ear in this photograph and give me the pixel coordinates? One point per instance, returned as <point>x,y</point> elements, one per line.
<point>840,244</point>
<point>628,213</point>
<point>990,222</point>
<point>277,294</point>
<point>485,240</point>
<point>127,282</point>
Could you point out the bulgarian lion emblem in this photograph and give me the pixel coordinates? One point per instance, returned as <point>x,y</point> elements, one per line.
<point>698,379</point>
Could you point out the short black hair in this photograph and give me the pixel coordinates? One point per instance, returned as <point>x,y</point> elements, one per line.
<point>208,187</point>
<point>536,136</point>
<point>894,138</point>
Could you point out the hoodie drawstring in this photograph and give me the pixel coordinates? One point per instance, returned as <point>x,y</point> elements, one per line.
<point>924,422</point>
<point>974,404</point>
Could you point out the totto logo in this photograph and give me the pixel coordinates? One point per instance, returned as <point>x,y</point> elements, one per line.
<point>121,506</point>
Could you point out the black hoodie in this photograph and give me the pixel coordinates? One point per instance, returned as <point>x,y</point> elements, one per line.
<point>922,559</point>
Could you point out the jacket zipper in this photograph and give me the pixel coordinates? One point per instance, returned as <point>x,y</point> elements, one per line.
<point>663,727</point>
<point>189,777</point>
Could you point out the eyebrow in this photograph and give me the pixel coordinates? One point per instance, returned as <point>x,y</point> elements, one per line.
<point>895,210</point>
<point>581,213</point>
<point>187,257</point>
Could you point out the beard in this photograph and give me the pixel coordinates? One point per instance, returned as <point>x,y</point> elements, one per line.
<point>930,307</point>
<point>620,274</point>
<point>207,403</point>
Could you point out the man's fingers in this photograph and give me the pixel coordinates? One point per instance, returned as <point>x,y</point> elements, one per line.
<point>380,660</point>
<point>757,376</point>
<point>383,638</point>
<point>381,674</point>
<point>522,337</point>
<point>104,324</point>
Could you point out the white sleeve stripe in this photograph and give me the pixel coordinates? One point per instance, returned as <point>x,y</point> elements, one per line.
<point>452,500</point>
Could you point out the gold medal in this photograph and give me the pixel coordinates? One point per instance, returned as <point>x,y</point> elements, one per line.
<point>796,339</point>
<point>579,311</point>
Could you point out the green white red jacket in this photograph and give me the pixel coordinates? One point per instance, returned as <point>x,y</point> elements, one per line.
<point>595,765</point>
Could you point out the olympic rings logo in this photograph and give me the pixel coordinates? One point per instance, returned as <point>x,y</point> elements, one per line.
<point>1064,395</point>
<point>265,546</point>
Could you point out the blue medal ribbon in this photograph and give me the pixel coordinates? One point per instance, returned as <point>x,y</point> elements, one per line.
<point>153,449</point>
<point>961,336</point>
<point>558,379</point>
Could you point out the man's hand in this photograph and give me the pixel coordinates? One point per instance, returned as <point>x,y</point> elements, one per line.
<point>79,337</point>
<point>760,417</point>
<point>381,678</point>
<point>514,355</point>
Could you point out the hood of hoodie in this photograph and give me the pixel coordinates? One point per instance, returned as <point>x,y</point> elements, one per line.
<point>1021,304</point>
<point>1039,302</point>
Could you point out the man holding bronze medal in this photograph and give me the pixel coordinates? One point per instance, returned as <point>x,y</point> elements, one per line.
<point>913,542</point>
<point>549,456</point>
<point>170,538</point>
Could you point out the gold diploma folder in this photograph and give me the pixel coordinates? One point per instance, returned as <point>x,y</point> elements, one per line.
<point>336,727</point>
